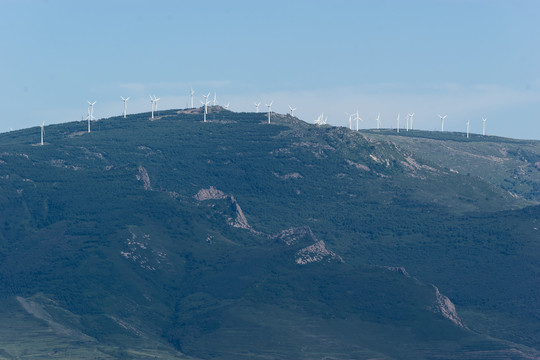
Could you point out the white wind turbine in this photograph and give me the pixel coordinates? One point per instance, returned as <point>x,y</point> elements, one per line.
<point>468,128</point>
<point>350,119</point>
<point>205,103</point>
<point>292,110</point>
<point>407,121</point>
<point>269,106</point>
<point>397,123</point>
<point>411,120</point>
<point>154,101</point>
<point>191,93</point>
<point>90,116</point>
<point>214,102</point>
<point>442,121</point>
<point>378,121</point>
<point>227,106</point>
<point>484,126</point>
<point>257,106</point>
<point>125,105</point>
<point>358,118</point>
<point>42,131</point>
<point>321,120</point>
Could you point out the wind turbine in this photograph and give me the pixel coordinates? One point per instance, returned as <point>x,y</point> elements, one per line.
<point>467,129</point>
<point>397,122</point>
<point>321,120</point>
<point>357,118</point>
<point>154,101</point>
<point>257,106</point>
<point>125,105</point>
<point>269,110</point>
<point>350,119</point>
<point>484,126</point>
<point>292,110</point>
<point>442,121</point>
<point>378,121</point>
<point>42,131</point>
<point>407,121</point>
<point>214,103</point>
<point>227,106</point>
<point>191,93</point>
<point>411,120</point>
<point>90,116</point>
<point>205,103</point>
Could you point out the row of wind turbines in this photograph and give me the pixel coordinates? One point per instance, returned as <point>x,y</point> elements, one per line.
<point>321,119</point>
<point>409,122</point>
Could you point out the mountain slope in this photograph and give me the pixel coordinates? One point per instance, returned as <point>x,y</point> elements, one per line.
<point>239,239</point>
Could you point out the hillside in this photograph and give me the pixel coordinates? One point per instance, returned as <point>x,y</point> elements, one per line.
<point>236,239</point>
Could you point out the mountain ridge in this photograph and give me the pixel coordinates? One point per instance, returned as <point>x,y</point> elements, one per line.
<point>194,232</point>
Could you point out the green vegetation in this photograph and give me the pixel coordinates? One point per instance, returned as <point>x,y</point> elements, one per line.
<point>101,232</point>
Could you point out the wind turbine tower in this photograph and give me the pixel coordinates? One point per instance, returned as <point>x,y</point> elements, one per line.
<point>442,122</point>
<point>269,110</point>
<point>407,121</point>
<point>42,131</point>
<point>90,116</point>
<point>205,103</point>
<point>214,103</point>
<point>468,129</point>
<point>191,93</point>
<point>378,121</point>
<point>227,106</point>
<point>125,105</point>
<point>397,122</point>
<point>484,126</point>
<point>292,110</point>
<point>257,106</point>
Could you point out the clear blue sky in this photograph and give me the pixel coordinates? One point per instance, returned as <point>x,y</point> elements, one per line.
<point>463,58</point>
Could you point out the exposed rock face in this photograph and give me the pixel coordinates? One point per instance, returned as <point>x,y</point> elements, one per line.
<point>293,235</point>
<point>210,194</point>
<point>62,164</point>
<point>143,176</point>
<point>288,176</point>
<point>413,167</point>
<point>358,165</point>
<point>442,305</point>
<point>316,253</point>
<point>240,221</point>
<point>447,308</point>
<point>300,236</point>
<point>399,269</point>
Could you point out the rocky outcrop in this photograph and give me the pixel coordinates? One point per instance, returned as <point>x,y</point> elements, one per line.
<point>316,253</point>
<point>294,235</point>
<point>446,308</point>
<point>239,220</point>
<point>210,194</point>
<point>358,165</point>
<point>143,176</point>
<point>288,176</point>
<point>442,305</point>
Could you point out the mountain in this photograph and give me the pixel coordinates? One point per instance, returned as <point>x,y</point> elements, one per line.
<point>238,239</point>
